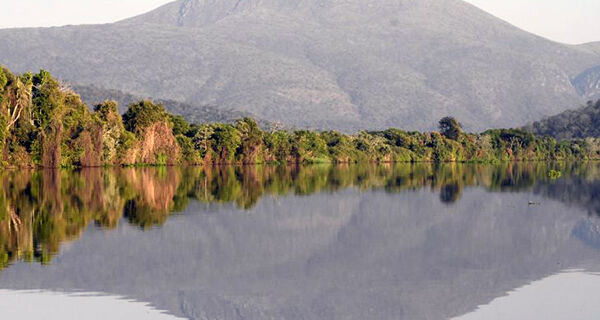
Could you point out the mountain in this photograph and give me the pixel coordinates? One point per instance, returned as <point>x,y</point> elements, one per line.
<point>588,83</point>
<point>327,64</point>
<point>592,46</point>
<point>580,123</point>
<point>92,95</point>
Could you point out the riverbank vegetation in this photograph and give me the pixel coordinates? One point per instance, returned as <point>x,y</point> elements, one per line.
<point>43,123</point>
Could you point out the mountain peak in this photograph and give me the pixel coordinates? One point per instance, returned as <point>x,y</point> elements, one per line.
<point>327,64</point>
<point>200,13</point>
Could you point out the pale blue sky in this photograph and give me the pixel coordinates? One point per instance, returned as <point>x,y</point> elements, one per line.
<point>570,21</point>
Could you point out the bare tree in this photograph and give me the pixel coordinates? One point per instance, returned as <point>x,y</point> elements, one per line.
<point>515,142</point>
<point>22,100</point>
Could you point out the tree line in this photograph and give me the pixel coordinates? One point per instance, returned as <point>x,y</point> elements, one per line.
<point>43,123</point>
<point>571,124</point>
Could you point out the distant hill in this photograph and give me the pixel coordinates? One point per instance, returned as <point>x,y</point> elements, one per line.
<point>326,64</point>
<point>92,95</point>
<point>588,83</point>
<point>580,123</point>
<point>592,46</point>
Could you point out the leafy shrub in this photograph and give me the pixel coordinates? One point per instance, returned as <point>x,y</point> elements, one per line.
<point>143,114</point>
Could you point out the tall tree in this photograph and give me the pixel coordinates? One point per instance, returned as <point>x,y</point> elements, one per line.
<point>450,128</point>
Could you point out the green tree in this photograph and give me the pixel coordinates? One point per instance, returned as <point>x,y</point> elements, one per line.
<point>143,114</point>
<point>278,144</point>
<point>251,140</point>
<point>180,126</point>
<point>203,139</point>
<point>450,128</point>
<point>106,110</point>
<point>225,141</point>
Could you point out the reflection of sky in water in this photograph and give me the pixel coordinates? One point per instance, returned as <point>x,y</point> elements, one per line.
<point>75,306</point>
<point>568,295</point>
<point>356,243</point>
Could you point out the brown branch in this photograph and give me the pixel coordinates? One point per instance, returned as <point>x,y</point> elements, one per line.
<point>15,220</point>
<point>15,115</point>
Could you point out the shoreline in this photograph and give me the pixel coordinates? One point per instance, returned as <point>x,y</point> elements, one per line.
<point>296,164</point>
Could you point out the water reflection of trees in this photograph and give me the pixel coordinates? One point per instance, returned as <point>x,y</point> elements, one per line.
<point>39,210</point>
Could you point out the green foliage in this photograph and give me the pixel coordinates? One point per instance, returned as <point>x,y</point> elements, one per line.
<point>251,140</point>
<point>279,145</point>
<point>516,143</point>
<point>106,110</point>
<point>572,124</point>
<point>126,142</point>
<point>51,126</point>
<point>189,154</point>
<point>554,174</point>
<point>398,138</point>
<point>202,140</point>
<point>339,146</point>
<point>161,159</point>
<point>440,152</point>
<point>180,126</point>
<point>308,146</point>
<point>143,114</point>
<point>46,99</point>
<point>3,132</point>
<point>225,141</point>
<point>3,79</point>
<point>450,128</point>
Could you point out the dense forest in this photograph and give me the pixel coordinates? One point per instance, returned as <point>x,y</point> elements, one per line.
<point>44,123</point>
<point>572,124</point>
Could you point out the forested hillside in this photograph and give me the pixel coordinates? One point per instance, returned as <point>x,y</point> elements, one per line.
<point>571,124</point>
<point>92,96</point>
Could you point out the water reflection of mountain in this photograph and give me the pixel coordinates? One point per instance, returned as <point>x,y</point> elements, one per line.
<point>293,248</point>
<point>583,191</point>
<point>39,210</point>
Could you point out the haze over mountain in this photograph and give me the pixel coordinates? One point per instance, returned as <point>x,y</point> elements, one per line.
<point>92,96</point>
<point>348,65</point>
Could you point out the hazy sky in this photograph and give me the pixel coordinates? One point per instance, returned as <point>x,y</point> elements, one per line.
<point>570,21</point>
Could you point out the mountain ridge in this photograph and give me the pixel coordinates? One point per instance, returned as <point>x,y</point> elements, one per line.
<point>349,65</point>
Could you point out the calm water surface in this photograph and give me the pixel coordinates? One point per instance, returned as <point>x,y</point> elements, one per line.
<point>318,242</point>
